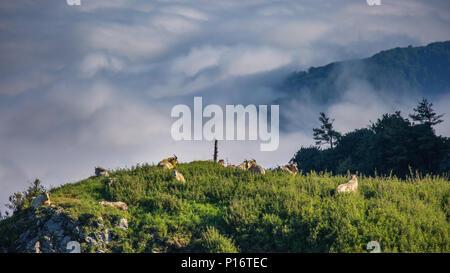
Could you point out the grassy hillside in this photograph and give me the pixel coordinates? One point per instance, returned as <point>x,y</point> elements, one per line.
<point>225,210</point>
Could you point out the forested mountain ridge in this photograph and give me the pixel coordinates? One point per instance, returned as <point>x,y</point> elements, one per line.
<point>423,69</point>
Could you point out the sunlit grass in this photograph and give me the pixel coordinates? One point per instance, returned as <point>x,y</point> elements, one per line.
<point>222,209</point>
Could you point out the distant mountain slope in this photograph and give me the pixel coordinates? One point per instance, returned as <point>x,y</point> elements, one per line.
<point>395,74</point>
<point>423,69</point>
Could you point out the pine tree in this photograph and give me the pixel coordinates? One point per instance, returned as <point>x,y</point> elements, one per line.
<point>424,114</point>
<point>326,133</point>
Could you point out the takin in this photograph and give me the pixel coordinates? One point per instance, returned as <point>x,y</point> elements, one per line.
<point>251,166</point>
<point>42,199</point>
<point>244,166</point>
<point>168,163</point>
<point>179,176</point>
<point>289,169</point>
<point>101,172</point>
<point>351,186</point>
<point>255,168</point>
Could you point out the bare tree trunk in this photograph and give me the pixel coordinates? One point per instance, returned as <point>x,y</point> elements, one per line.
<point>215,151</point>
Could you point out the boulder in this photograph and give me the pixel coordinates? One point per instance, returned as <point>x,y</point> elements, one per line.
<point>119,205</point>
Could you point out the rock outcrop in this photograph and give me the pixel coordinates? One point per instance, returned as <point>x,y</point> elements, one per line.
<point>50,231</point>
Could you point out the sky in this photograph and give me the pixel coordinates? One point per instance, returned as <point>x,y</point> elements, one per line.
<point>94,84</point>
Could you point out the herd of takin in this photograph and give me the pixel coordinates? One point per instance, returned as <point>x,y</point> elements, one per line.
<point>252,166</point>
<point>172,162</point>
<point>247,165</point>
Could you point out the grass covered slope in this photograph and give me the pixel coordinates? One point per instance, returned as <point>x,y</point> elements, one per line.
<point>225,210</point>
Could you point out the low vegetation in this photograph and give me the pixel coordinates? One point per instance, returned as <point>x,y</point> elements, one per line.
<point>227,210</point>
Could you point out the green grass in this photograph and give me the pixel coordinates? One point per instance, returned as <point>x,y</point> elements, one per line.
<point>225,210</point>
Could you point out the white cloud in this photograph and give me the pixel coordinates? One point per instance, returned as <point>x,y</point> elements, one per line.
<point>295,34</point>
<point>358,107</point>
<point>246,61</point>
<point>186,12</point>
<point>22,82</point>
<point>96,5</point>
<point>197,60</point>
<point>147,40</point>
<point>95,62</point>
